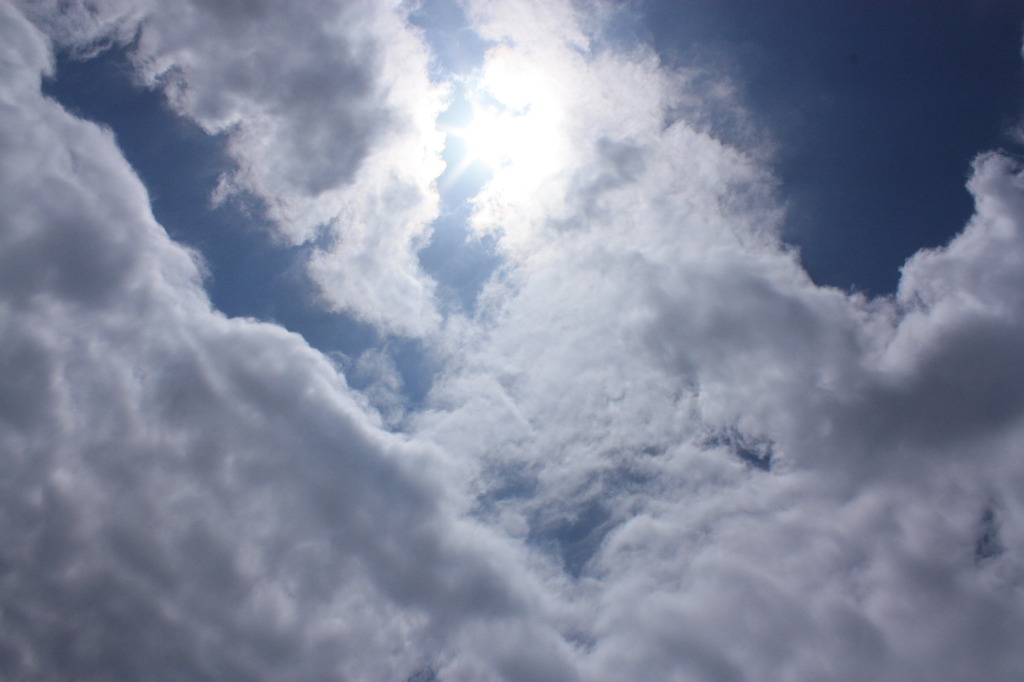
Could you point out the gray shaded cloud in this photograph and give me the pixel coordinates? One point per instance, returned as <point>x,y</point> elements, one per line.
<point>188,496</point>
<point>329,116</point>
<point>579,497</point>
<point>644,310</point>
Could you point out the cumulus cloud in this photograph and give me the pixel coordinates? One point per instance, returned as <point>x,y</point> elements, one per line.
<point>188,496</point>
<point>655,450</point>
<point>328,112</point>
<point>658,399</point>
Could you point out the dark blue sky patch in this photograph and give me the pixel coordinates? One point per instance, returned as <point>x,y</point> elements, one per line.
<point>877,107</point>
<point>459,261</point>
<point>755,452</point>
<point>988,545</point>
<point>574,533</point>
<point>509,483</point>
<point>425,674</point>
<point>417,365</point>
<point>574,538</point>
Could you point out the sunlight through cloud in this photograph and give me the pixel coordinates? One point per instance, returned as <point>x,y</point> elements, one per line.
<point>513,128</point>
<point>495,359</point>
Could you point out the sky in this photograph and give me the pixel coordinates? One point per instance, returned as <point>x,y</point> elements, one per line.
<point>513,340</point>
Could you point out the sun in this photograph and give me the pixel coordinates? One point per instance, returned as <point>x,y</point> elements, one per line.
<point>493,136</point>
<point>513,128</point>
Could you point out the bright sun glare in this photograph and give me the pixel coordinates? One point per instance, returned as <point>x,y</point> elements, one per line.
<point>491,135</point>
<point>513,126</point>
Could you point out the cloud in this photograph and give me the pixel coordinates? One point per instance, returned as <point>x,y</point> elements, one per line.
<point>650,329</point>
<point>187,495</point>
<point>329,115</point>
<point>656,450</point>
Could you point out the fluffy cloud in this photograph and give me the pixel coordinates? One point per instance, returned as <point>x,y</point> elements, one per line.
<point>652,348</point>
<point>328,112</point>
<point>655,451</point>
<point>188,496</point>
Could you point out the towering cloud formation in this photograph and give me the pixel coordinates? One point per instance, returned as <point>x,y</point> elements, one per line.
<point>656,450</point>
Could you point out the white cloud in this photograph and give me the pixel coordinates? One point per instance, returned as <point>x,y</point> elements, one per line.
<point>657,450</point>
<point>328,112</point>
<point>187,495</point>
<point>648,312</point>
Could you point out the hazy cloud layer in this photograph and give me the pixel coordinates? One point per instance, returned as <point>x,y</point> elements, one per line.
<point>655,451</point>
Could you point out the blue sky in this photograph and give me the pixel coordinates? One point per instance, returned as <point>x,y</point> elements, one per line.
<point>855,109</point>
<point>877,108</point>
<point>511,340</point>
